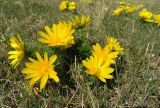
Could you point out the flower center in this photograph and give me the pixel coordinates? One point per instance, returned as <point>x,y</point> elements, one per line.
<point>98,71</point>
<point>46,69</point>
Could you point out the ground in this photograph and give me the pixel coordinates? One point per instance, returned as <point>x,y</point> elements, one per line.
<point>136,81</point>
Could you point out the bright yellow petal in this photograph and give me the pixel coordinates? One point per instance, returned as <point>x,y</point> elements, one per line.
<point>34,61</point>
<point>102,79</point>
<point>45,57</point>
<point>32,65</point>
<point>14,52</point>
<point>43,81</point>
<point>15,45</point>
<point>28,71</point>
<point>32,75</point>
<point>106,75</point>
<point>39,57</point>
<point>34,80</point>
<point>14,62</point>
<point>20,40</point>
<point>43,34</point>
<point>48,30</point>
<point>43,40</point>
<point>54,77</point>
<point>108,70</point>
<point>13,56</point>
<point>52,59</point>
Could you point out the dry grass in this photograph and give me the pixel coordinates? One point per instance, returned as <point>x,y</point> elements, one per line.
<point>136,85</point>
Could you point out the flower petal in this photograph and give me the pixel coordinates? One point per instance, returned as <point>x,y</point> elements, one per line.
<point>45,57</point>
<point>39,57</point>
<point>43,34</point>
<point>54,77</point>
<point>102,79</point>
<point>43,81</point>
<point>34,80</point>
<point>52,59</point>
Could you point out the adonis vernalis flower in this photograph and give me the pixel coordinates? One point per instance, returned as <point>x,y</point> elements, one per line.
<point>130,9</point>
<point>60,34</point>
<point>72,6</point>
<point>63,5</point>
<point>40,69</point>
<point>146,15</point>
<point>157,19</point>
<point>126,7</point>
<point>99,63</point>
<point>18,53</point>
<point>80,22</point>
<point>113,45</point>
<point>118,11</point>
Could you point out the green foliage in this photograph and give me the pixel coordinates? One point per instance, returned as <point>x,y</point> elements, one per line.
<point>136,82</point>
<point>82,47</point>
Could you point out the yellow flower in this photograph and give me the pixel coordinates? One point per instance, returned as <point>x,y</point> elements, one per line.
<point>40,69</point>
<point>118,11</point>
<point>63,5</point>
<point>157,19</point>
<point>80,22</point>
<point>126,7</point>
<point>18,53</point>
<point>113,45</point>
<point>97,65</point>
<point>106,53</point>
<point>130,9</point>
<point>60,34</point>
<point>72,6</point>
<point>146,15</point>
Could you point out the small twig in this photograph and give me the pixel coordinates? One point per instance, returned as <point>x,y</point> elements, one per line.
<point>157,62</point>
<point>147,49</point>
<point>72,97</point>
<point>82,101</point>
